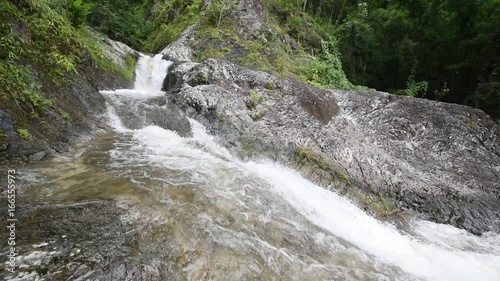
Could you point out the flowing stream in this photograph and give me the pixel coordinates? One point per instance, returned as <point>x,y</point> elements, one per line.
<point>228,219</point>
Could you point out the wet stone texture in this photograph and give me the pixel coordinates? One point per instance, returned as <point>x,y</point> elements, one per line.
<point>441,161</point>
<point>77,241</point>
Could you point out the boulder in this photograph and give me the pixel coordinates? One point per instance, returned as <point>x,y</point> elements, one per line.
<point>438,160</point>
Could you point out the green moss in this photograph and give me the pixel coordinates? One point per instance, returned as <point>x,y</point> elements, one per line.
<point>130,61</point>
<point>63,113</point>
<point>343,177</point>
<point>2,134</point>
<point>306,156</point>
<point>306,153</point>
<point>384,202</point>
<point>91,43</point>
<point>269,86</point>
<point>24,134</point>
<point>317,168</point>
<point>209,52</point>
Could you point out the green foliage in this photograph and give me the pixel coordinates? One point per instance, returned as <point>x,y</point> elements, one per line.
<point>38,46</point>
<point>91,43</point>
<point>455,43</point>
<point>17,79</point>
<point>170,20</point>
<point>24,134</point>
<point>123,20</point>
<point>79,12</point>
<point>254,100</point>
<point>269,86</point>
<point>326,69</point>
<point>258,116</point>
<point>219,10</point>
<point>130,61</point>
<point>413,88</point>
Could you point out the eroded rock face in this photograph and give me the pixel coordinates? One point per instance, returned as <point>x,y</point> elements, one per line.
<point>78,110</point>
<point>440,160</point>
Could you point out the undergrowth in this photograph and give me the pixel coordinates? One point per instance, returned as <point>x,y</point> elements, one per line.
<point>170,21</point>
<point>284,46</point>
<point>42,42</point>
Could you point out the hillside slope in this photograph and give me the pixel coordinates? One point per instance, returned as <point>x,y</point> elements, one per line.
<point>51,71</point>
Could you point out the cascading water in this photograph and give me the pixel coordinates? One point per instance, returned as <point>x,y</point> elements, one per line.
<point>221,218</point>
<point>149,75</point>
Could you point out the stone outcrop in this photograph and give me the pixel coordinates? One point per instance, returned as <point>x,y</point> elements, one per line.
<point>78,110</point>
<point>441,161</point>
<point>392,155</point>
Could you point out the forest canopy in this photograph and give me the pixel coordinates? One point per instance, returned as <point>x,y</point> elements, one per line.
<point>438,49</point>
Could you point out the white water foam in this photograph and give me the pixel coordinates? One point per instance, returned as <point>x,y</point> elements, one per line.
<point>149,75</point>
<point>437,252</point>
<point>442,257</point>
<point>329,211</point>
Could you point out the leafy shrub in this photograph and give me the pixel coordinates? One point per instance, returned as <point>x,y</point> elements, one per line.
<point>269,86</point>
<point>219,10</point>
<point>413,88</point>
<point>24,134</point>
<point>254,100</point>
<point>326,69</point>
<point>170,21</point>
<point>79,12</point>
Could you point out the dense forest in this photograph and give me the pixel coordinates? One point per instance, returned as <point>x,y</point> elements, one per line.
<point>436,49</point>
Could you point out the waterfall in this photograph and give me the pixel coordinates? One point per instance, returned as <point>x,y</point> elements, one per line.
<point>149,75</point>
<point>200,160</point>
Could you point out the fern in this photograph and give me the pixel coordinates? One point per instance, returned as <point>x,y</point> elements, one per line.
<point>79,12</point>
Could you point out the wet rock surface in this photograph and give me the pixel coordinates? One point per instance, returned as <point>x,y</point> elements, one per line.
<point>439,160</point>
<point>139,113</point>
<point>77,241</point>
<point>78,110</point>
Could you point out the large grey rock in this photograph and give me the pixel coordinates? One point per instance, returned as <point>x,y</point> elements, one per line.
<point>440,160</point>
<point>117,51</point>
<point>179,50</point>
